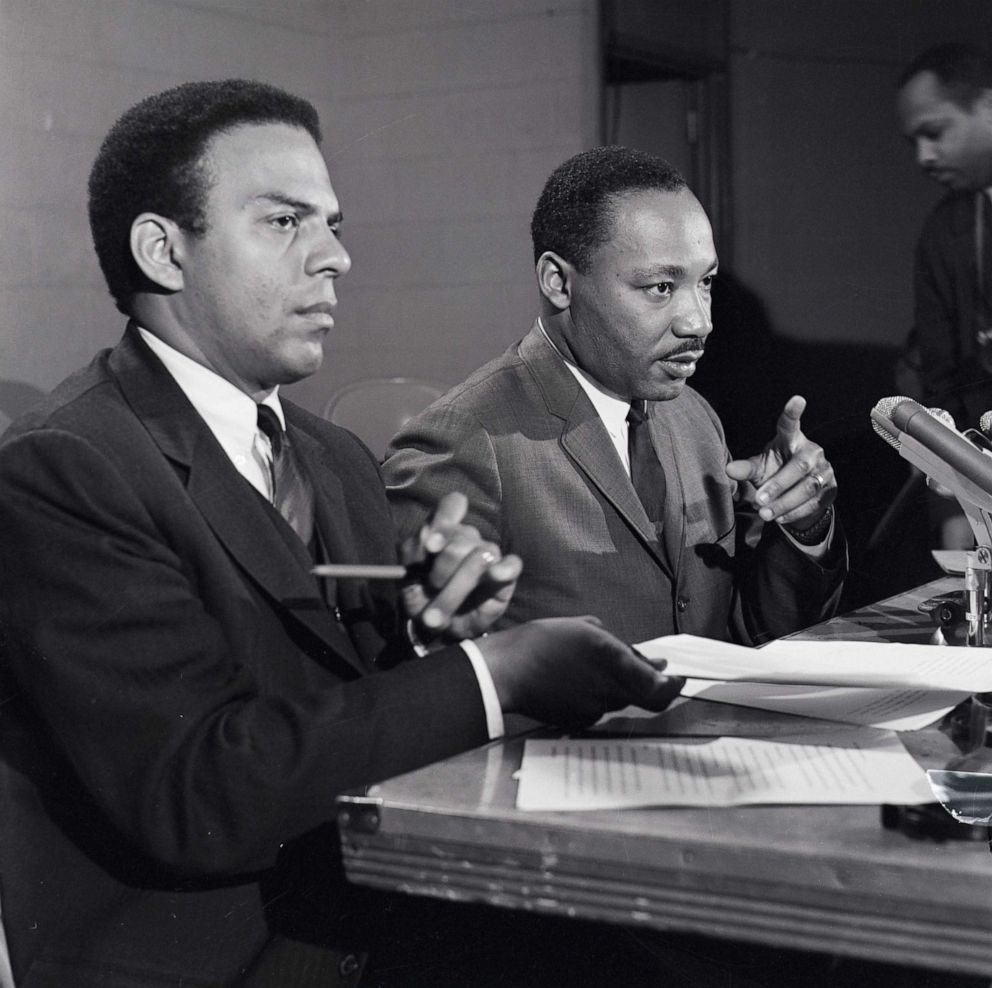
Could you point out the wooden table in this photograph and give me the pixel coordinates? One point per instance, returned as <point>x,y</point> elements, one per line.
<point>828,879</point>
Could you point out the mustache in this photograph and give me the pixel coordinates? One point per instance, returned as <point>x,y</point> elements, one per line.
<point>695,344</point>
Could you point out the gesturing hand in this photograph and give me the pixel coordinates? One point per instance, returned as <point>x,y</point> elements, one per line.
<point>459,584</point>
<point>790,481</point>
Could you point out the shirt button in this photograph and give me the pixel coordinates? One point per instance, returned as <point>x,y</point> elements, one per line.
<point>682,603</point>
<point>239,460</point>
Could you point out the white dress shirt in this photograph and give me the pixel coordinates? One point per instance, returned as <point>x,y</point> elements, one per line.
<point>232,416</point>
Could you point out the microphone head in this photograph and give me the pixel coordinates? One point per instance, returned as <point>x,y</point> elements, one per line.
<point>985,423</point>
<point>943,416</point>
<point>883,407</point>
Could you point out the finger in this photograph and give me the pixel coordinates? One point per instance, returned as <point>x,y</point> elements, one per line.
<point>448,514</point>
<point>658,664</point>
<point>460,542</point>
<point>666,690</point>
<point>807,470</point>
<point>789,421</point>
<point>810,496</point>
<point>461,583</point>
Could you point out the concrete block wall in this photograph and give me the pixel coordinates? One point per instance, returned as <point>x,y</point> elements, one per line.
<point>441,119</point>
<point>448,119</point>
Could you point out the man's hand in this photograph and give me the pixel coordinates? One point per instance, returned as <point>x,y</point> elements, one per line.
<point>460,584</point>
<point>570,671</point>
<point>790,481</point>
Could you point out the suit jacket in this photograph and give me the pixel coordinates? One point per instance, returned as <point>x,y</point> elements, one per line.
<point>948,310</point>
<point>178,706</point>
<point>521,438</point>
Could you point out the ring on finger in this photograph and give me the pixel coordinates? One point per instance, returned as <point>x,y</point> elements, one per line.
<point>488,557</point>
<point>818,480</point>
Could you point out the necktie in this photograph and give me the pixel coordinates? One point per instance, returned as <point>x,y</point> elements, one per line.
<point>292,493</point>
<point>646,471</point>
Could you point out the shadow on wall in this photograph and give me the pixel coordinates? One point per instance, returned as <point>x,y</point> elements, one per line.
<point>16,397</point>
<point>748,374</point>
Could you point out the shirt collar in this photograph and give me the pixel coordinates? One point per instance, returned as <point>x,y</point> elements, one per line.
<point>612,410</point>
<point>230,414</point>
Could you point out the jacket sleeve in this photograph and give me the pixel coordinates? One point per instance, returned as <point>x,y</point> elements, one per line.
<point>184,748</point>
<point>441,450</point>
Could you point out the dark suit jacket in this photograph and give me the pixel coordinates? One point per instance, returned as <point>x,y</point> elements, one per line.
<point>522,440</point>
<point>178,707</point>
<point>948,310</point>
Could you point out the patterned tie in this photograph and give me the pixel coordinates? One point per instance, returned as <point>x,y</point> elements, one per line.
<point>292,493</point>
<point>646,471</point>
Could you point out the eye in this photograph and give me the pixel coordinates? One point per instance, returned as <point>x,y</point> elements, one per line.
<point>335,228</point>
<point>663,289</point>
<point>285,221</point>
<point>707,282</point>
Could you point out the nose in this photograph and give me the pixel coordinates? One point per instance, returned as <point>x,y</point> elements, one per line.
<point>926,153</point>
<point>693,317</point>
<point>328,256</point>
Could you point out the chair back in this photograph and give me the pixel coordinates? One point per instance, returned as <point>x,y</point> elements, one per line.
<point>376,409</point>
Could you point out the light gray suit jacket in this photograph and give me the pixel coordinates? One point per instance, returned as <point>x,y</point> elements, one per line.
<point>522,440</point>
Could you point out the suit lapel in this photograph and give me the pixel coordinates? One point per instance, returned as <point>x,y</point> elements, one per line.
<point>242,520</point>
<point>584,437</point>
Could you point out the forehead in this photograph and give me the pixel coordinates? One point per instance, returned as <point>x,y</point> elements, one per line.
<point>253,160</point>
<point>922,100</point>
<point>663,227</point>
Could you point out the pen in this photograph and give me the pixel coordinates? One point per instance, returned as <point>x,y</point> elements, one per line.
<point>360,571</point>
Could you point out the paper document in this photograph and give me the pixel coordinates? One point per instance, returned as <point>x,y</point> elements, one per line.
<point>826,663</point>
<point>895,710</point>
<point>598,774</point>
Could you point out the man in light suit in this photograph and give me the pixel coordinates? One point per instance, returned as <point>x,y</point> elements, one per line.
<point>540,442</point>
<point>182,701</point>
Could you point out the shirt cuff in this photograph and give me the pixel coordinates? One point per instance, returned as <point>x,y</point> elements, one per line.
<point>494,712</point>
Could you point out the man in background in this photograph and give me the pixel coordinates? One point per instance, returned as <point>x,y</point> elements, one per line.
<point>945,111</point>
<point>583,449</point>
<point>182,700</point>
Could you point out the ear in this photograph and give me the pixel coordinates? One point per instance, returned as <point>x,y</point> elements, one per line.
<point>554,278</point>
<point>156,246</point>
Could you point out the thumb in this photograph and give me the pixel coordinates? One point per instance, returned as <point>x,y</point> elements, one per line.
<point>788,421</point>
<point>741,470</point>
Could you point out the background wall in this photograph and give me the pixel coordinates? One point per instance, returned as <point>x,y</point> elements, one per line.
<point>442,121</point>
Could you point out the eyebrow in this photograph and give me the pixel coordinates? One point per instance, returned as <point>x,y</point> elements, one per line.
<point>668,270</point>
<point>301,207</point>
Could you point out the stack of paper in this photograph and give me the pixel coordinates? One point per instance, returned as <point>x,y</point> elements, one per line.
<point>880,684</point>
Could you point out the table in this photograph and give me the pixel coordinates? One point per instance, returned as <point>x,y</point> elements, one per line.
<point>828,879</point>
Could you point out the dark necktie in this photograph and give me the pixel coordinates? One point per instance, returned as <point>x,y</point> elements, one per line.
<point>646,471</point>
<point>292,493</point>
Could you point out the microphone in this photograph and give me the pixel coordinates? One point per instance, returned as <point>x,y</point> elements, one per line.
<point>884,407</point>
<point>940,440</point>
<point>927,439</point>
<point>985,423</point>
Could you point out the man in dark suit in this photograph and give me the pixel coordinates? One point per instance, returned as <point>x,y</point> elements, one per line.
<point>945,111</point>
<point>181,699</point>
<point>583,449</point>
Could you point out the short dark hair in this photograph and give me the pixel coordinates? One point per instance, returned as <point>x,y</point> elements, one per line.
<point>152,160</point>
<point>964,71</point>
<point>574,210</point>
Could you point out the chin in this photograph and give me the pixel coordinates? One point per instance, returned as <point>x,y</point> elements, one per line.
<point>663,391</point>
